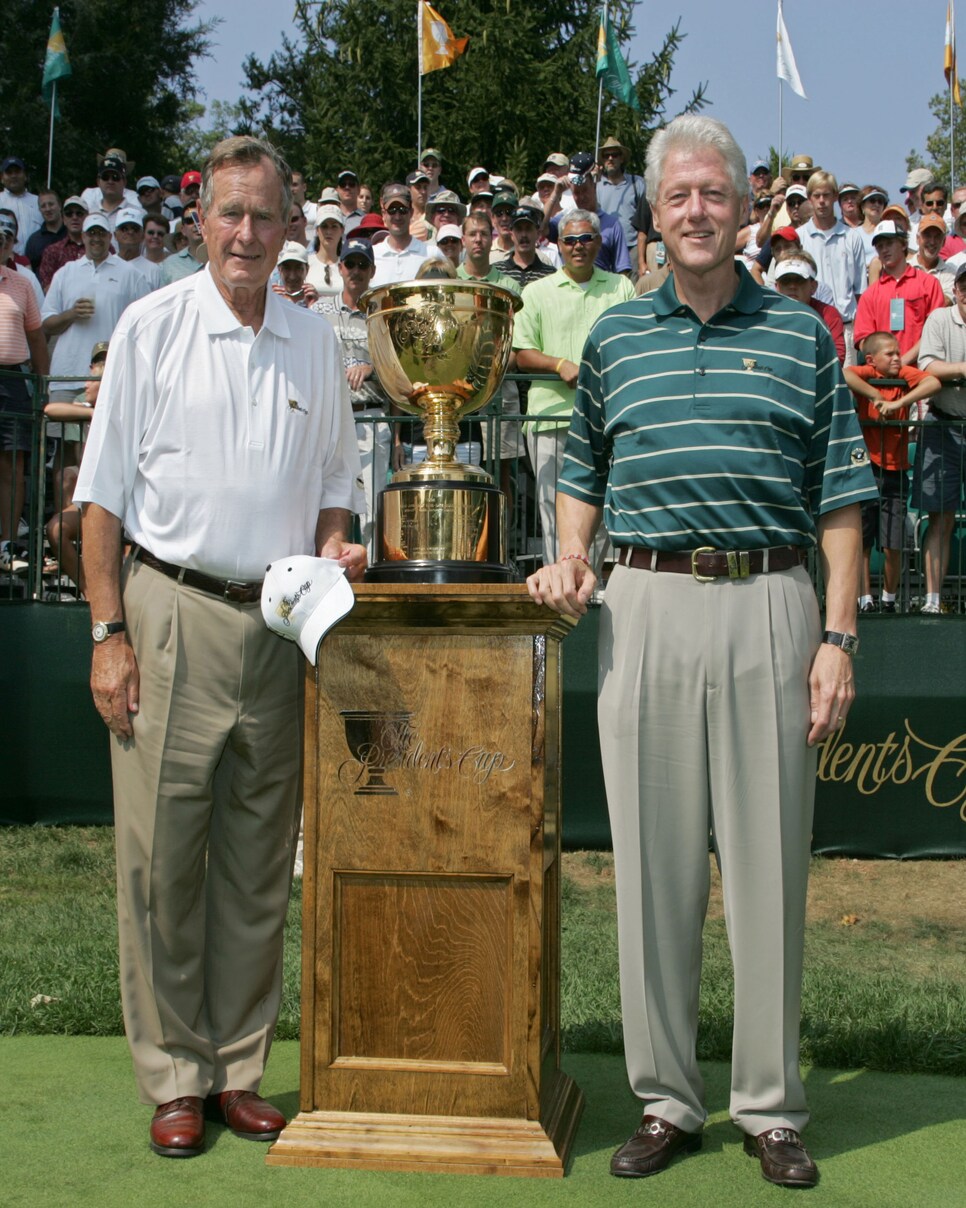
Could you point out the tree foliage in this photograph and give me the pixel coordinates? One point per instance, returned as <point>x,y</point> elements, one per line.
<point>936,158</point>
<point>347,95</point>
<point>132,85</point>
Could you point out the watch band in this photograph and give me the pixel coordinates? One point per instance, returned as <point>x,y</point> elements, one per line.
<point>845,641</point>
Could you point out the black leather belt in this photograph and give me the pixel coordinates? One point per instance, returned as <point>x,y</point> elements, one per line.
<point>232,590</point>
<point>707,563</point>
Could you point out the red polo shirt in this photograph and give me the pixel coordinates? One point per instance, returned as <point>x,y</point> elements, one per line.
<point>921,293</point>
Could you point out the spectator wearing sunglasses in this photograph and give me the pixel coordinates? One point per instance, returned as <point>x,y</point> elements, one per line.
<point>400,254</point>
<point>110,195</point>
<point>549,335</point>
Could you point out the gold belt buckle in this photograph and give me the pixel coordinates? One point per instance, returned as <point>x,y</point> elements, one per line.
<point>738,564</point>
<point>705,549</point>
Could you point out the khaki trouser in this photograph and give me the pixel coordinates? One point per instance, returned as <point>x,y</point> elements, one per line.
<point>206,807</point>
<point>703,714</point>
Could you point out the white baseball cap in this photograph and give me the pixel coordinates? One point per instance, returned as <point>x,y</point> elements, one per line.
<point>794,268</point>
<point>303,597</point>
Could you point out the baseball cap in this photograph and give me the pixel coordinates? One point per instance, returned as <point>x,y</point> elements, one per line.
<point>329,211</point>
<point>395,192</point>
<point>475,172</point>
<point>759,163</point>
<point>417,177</point>
<point>147,182</point>
<point>171,184</point>
<point>190,178</point>
<point>129,215</point>
<point>848,187</point>
<point>887,230</point>
<point>357,247</point>
<point>794,268</point>
<point>369,225</point>
<point>527,212</point>
<point>431,152</point>
<point>795,191</point>
<point>303,597</point>
<point>505,197</point>
<point>546,178</point>
<point>581,162</point>
<point>917,177</point>
<point>96,220</point>
<point>930,222</point>
<point>788,233</point>
<point>13,161</point>
<point>558,159</point>
<point>449,230</point>
<point>8,224</point>
<point>99,351</point>
<point>112,163</point>
<point>293,251</point>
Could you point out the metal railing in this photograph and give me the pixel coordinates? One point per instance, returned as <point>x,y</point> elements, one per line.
<point>50,572</point>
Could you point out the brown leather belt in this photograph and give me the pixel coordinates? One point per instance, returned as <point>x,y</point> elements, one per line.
<point>232,590</point>
<point>706,563</point>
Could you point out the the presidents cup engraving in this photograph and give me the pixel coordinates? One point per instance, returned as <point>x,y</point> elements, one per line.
<point>385,742</point>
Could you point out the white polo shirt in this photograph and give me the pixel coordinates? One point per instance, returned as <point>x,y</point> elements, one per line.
<point>113,286</point>
<point>217,447</point>
<point>393,266</point>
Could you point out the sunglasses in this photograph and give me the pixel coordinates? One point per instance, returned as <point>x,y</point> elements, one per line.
<point>397,209</point>
<point>572,240</point>
<point>794,201</point>
<point>75,212</point>
<point>933,205</point>
<point>109,176</point>
<point>356,265</point>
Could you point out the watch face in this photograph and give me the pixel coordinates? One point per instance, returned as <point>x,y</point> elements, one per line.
<point>99,631</point>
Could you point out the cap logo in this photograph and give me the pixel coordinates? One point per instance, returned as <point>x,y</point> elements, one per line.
<point>286,606</point>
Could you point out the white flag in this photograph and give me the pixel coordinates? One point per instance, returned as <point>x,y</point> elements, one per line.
<point>787,67</point>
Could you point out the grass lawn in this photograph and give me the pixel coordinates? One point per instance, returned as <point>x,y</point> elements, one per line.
<point>884,987</point>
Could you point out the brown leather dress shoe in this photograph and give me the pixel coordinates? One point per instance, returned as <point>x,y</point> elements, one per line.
<point>178,1128</point>
<point>246,1114</point>
<point>784,1159</point>
<point>651,1149</point>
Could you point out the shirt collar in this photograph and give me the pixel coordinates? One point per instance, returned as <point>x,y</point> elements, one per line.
<point>217,317</point>
<point>747,300</point>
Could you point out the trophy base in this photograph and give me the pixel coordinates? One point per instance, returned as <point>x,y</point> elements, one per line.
<point>440,572</point>
<point>441,531</point>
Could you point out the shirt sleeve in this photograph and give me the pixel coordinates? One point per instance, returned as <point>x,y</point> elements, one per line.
<point>586,460</point>
<point>526,325</point>
<point>932,345</point>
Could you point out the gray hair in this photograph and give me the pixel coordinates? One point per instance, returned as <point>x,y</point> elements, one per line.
<point>571,216</point>
<point>691,132</point>
<point>243,149</point>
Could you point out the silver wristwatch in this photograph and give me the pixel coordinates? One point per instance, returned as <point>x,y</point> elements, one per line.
<point>845,641</point>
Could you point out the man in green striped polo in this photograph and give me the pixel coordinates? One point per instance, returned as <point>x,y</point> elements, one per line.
<point>713,433</point>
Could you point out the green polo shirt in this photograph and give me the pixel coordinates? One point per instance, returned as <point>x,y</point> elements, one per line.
<point>735,433</point>
<point>556,318</point>
<point>493,277</point>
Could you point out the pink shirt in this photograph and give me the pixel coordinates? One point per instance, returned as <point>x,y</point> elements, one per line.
<point>19,313</point>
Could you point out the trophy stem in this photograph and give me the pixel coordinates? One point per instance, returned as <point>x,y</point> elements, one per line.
<point>440,428</point>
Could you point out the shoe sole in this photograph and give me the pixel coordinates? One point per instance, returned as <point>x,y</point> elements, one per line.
<point>171,1151</point>
<point>691,1146</point>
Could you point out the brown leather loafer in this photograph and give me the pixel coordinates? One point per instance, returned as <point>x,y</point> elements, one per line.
<point>178,1128</point>
<point>651,1149</point>
<point>784,1159</point>
<point>246,1114</point>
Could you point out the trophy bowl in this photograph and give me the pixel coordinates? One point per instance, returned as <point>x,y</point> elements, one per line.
<point>440,348</point>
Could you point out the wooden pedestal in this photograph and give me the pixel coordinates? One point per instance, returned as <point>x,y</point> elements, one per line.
<point>431,889</point>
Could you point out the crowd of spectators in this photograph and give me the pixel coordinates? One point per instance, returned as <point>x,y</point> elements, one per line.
<point>889,281</point>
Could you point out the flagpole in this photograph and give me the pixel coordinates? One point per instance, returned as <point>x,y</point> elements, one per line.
<point>50,145</point>
<point>419,73</point>
<point>600,94</point>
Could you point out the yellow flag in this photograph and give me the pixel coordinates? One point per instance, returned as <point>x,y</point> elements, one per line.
<point>437,46</point>
<point>949,55</point>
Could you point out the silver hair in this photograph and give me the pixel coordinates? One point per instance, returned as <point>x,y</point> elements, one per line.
<point>691,132</point>
<point>243,149</point>
<point>570,216</point>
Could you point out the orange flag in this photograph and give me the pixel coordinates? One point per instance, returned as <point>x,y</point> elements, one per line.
<point>949,55</point>
<point>437,46</point>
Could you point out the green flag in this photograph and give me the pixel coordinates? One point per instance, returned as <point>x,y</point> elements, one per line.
<point>611,68</point>
<point>56,64</point>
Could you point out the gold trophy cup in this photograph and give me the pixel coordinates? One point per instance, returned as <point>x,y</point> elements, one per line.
<point>440,348</point>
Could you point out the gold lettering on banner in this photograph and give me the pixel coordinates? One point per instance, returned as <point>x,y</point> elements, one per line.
<point>867,766</point>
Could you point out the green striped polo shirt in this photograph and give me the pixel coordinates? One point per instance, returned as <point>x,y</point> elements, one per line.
<point>733,433</point>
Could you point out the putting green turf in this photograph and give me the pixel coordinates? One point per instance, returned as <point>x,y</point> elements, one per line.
<point>72,1133</point>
